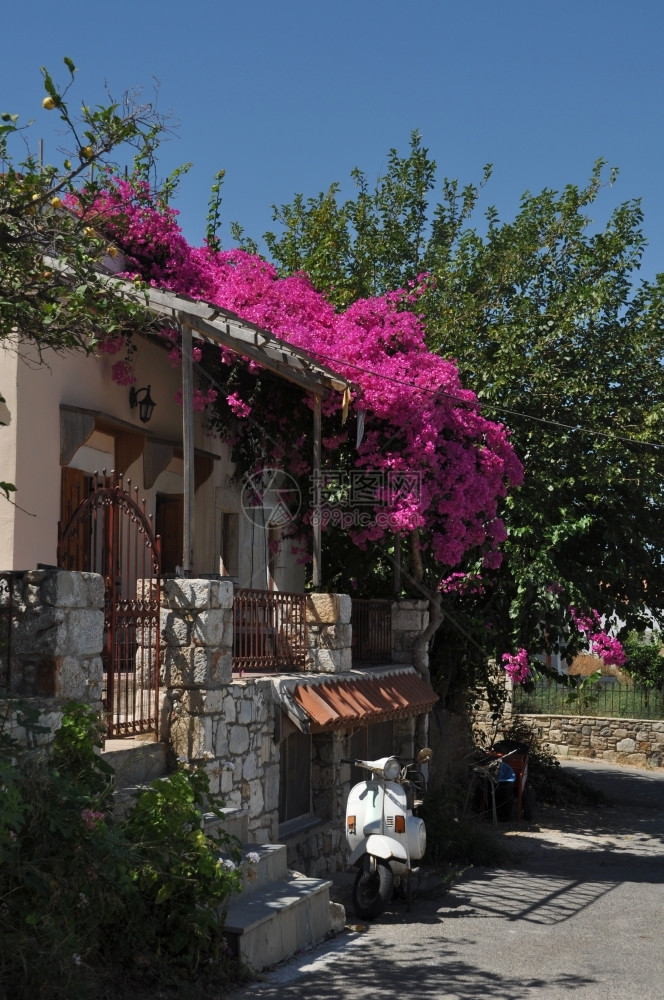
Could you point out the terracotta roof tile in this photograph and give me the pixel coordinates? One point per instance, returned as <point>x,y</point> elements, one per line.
<point>334,704</point>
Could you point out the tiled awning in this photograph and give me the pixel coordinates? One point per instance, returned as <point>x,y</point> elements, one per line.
<point>351,701</point>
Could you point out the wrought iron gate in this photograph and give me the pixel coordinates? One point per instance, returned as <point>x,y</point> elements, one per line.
<point>110,533</point>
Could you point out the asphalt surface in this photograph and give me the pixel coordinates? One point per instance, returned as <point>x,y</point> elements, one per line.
<point>579,911</point>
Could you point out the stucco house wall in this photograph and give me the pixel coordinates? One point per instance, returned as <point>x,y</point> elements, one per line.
<point>30,457</point>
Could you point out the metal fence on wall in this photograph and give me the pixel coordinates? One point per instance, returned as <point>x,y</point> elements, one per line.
<point>372,631</point>
<point>606,698</point>
<point>269,631</point>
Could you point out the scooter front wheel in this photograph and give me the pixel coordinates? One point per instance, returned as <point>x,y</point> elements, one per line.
<point>372,890</point>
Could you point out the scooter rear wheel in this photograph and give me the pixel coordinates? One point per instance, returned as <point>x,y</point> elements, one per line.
<point>372,890</point>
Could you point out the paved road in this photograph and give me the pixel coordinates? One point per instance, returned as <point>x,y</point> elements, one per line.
<point>580,912</point>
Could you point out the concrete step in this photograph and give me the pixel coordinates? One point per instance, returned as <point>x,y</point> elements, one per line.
<point>136,761</point>
<point>262,864</point>
<point>234,822</point>
<point>278,920</point>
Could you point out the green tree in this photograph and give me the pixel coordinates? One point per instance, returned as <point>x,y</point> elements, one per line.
<point>53,295</point>
<point>550,329</point>
<point>645,662</point>
<point>52,291</point>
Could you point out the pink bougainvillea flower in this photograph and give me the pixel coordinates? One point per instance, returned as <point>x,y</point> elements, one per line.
<point>418,420</point>
<point>238,406</point>
<point>516,666</point>
<point>123,373</point>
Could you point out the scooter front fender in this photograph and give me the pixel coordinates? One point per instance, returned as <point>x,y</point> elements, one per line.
<point>380,847</point>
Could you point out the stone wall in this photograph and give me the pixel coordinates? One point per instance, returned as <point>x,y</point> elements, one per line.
<point>54,622</point>
<point>623,741</point>
<point>233,724</point>
<point>637,742</point>
<point>225,723</point>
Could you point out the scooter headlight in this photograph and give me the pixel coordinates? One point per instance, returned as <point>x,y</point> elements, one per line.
<point>391,769</point>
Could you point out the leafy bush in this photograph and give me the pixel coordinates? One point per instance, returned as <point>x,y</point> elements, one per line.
<point>85,896</point>
<point>644,658</point>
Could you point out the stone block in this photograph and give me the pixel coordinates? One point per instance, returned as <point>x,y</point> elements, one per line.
<point>85,631</point>
<point>212,667</point>
<point>405,620</point>
<point>175,669</point>
<point>221,594</point>
<point>271,786</point>
<point>238,739</point>
<point>250,767</point>
<point>324,661</point>
<point>329,636</point>
<point>182,595</point>
<point>176,628</point>
<point>208,628</point>
<point>197,701</point>
<point>65,589</point>
<point>328,609</point>
<point>191,736</point>
<point>626,746</point>
<point>245,712</point>
<point>71,681</point>
<point>256,801</point>
<point>219,738</point>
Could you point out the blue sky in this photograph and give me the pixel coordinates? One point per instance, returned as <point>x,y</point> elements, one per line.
<point>290,96</point>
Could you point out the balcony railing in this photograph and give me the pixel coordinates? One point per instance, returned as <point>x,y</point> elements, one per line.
<point>372,631</point>
<point>269,631</point>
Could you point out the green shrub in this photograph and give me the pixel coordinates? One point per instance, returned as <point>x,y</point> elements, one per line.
<point>84,896</point>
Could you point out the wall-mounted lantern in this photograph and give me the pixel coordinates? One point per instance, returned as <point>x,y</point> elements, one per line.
<point>143,400</point>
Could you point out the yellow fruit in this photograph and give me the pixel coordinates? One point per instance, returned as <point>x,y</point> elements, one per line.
<point>56,202</point>
<point>36,197</point>
<point>87,152</point>
<point>49,103</point>
<point>112,251</point>
<point>89,232</point>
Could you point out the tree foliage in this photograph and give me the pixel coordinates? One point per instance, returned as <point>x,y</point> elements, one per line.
<point>550,329</point>
<point>52,292</point>
<point>645,662</point>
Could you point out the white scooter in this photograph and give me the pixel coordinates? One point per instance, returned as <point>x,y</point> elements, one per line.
<point>383,834</point>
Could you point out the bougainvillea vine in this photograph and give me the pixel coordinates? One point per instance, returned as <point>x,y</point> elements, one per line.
<point>439,467</point>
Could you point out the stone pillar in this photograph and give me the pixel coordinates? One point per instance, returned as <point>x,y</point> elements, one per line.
<point>55,634</point>
<point>195,669</point>
<point>409,620</point>
<point>329,633</point>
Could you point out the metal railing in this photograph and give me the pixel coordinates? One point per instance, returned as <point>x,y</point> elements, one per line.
<point>372,631</point>
<point>606,698</point>
<point>269,631</point>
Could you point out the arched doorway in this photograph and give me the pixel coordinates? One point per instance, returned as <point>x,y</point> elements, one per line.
<point>110,533</point>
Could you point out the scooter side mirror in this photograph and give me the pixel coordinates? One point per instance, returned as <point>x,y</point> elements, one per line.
<point>425,755</point>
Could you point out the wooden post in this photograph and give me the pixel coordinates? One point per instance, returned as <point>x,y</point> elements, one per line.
<point>317,553</point>
<point>188,449</point>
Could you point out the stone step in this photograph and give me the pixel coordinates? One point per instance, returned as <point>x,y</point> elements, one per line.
<point>136,761</point>
<point>262,864</point>
<point>234,822</point>
<point>278,920</point>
